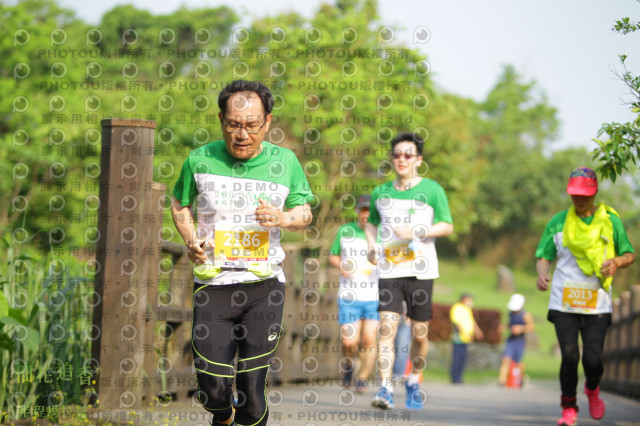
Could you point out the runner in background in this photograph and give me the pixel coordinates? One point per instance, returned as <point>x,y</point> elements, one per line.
<point>520,323</point>
<point>407,215</point>
<point>465,330</point>
<point>590,244</point>
<point>357,298</point>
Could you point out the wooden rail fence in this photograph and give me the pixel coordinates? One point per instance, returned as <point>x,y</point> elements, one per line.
<point>622,346</point>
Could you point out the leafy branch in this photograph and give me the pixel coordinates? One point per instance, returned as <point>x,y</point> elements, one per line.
<point>623,145</point>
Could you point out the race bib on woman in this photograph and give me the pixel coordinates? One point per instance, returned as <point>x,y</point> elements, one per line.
<point>580,297</point>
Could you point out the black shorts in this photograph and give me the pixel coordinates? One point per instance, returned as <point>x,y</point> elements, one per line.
<point>416,293</point>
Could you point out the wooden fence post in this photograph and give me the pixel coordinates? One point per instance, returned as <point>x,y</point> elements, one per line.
<point>127,256</point>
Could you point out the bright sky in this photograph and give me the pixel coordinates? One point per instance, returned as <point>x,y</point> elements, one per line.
<point>566,46</point>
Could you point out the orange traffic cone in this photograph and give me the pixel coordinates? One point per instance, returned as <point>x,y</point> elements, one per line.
<point>516,371</point>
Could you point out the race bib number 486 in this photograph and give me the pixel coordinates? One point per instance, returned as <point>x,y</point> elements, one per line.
<point>236,246</point>
<point>580,296</point>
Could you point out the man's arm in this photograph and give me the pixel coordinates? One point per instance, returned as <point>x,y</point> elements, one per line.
<point>334,260</point>
<point>518,329</point>
<point>438,230</point>
<point>528,321</point>
<point>423,233</point>
<point>185,224</point>
<point>295,219</point>
<point>542,268</point>
<point>453,317</point>
<point>371,231</point>
<point>299,217</point>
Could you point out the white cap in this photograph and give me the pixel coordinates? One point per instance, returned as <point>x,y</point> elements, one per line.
<point>516,302</point>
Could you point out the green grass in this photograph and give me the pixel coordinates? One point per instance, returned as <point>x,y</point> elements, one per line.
<point>43,344</point>
<point>480,280</point>
<point>538,366</point>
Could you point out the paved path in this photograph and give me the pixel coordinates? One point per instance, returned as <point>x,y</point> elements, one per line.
<point>329,404</point>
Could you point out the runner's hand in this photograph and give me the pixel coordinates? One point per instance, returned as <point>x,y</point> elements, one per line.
<point>195,252</point>
<point>269,216</point>
<point>373,255</point>
<point>543,282</point>
<point>608,268</point>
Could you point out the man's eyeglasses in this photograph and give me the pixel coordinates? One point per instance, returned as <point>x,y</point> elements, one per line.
<point>405,155</point>
<point>251,128</point>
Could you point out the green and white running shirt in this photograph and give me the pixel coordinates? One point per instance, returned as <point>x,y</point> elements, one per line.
<point>351,245</point>
<point>419,207</point>
<point>571,290</point>
<point>226,192</point>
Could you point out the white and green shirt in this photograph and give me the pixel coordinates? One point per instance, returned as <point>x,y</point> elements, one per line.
<point>571,290</point>
<point>226,192</point>
<point>421,206</point>
<point>351,245</point>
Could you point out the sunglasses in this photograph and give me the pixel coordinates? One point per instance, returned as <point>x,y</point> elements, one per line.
<point>399,155</point>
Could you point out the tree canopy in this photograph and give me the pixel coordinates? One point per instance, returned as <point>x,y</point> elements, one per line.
<point>343,88</point>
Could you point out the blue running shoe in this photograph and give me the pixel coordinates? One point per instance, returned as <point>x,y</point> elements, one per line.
<point>415,397</point>
<point>383,399</point>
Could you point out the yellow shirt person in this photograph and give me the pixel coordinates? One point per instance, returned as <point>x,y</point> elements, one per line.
<point>462,319</point>
<point>465,329</point>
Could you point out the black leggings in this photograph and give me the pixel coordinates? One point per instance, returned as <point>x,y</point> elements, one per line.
<point>242,317</point>
<point>593,329</point>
